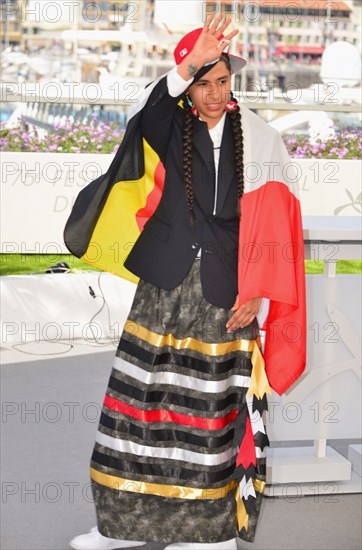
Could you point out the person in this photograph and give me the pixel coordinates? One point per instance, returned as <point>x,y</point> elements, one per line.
<point>180,452</point>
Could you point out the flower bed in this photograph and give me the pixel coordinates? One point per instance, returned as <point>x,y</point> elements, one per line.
<point>346,144</point>
<point>98,137</point>
<point>91,137</point>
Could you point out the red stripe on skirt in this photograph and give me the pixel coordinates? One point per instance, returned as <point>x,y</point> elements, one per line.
<point>169,416</point>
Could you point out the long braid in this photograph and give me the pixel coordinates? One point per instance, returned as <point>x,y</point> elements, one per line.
<point>238,138</point>
<point>187,160</point>
<point>235,118</point>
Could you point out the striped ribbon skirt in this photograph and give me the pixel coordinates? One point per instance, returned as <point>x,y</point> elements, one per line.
<point>180,449</point>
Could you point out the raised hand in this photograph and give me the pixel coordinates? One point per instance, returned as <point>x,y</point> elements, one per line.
<point>208,46</point>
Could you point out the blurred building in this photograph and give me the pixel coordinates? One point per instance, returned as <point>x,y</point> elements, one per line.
<point>39,20</point>
<point>271,32</point>
<point>11,28</point>
<point>107,15</point>
<point>302,28</point>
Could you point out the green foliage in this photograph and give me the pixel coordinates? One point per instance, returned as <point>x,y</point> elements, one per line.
<point>15,264</point>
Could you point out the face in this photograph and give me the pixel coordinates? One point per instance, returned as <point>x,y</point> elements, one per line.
<point>211,93</point>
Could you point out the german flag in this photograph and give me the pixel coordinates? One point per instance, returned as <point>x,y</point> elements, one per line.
<point>110,212</point>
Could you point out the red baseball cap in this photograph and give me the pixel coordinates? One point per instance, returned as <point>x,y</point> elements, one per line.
<point>186,44</point>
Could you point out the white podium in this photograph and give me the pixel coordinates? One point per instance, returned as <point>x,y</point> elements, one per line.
<point>325,402</point>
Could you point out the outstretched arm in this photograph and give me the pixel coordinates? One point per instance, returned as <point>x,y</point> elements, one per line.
<point>158,113</point>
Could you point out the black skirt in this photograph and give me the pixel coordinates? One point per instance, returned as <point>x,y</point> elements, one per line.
<point>180,450</point>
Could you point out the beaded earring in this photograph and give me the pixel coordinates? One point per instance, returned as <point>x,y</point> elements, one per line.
<point>194,111</point>
<point>231,104</point>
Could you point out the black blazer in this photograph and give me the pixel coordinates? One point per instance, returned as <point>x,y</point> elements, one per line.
<point>166,248</point>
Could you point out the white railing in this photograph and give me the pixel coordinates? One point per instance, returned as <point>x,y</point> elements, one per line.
<point>124,95</point>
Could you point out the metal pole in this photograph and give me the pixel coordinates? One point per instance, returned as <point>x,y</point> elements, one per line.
<point>328,24</point>
<point>140,46</point>
<point>256,58</point>
<point>76,24</point>
<point>246,40</point>
<point>6,28</point>
<point>22,36</point>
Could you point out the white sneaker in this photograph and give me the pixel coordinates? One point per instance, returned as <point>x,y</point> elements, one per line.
<point>224,545</point>
<point>95,541</point>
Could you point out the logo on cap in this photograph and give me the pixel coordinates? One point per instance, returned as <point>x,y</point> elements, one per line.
<point>183,52</point>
